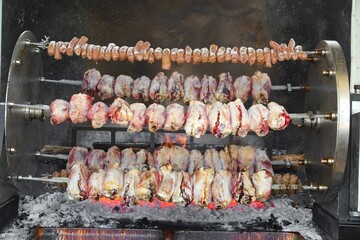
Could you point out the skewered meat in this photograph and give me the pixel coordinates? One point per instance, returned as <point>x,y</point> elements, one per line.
<point>148,185</point>
<point>166,61</point>
<point>252,56</point>
<point>221,189</point>
<point>261,86</point>
<point>225,159</point>
<point>161,157</point>
<point>196,56</point>
<point>77,185</point>
<point>167,185</point>
<point>150,55</point>
<point>260,56</point>
<point>262,181</point>
<point>128,159</point>
<point>221,55</point>
<point>175,86</point>
<point>243,55</point>
<point>72,44</point>
<point>175,117</point>
<point>76,155</point>
<point>262,161</point>
<point>158,53</point>
<point>249,192</point>
<point>225,91</point>
<point>141,88</point>
<point>182,194</point>
<point>122,53</point>
<point>113,183</point>
<point>158,89</point>
<point>212,159</point>
<point>236,185</point>
<point>59,111</point>
<point>274,45</point>
<point>173,54</point>
<point>143,157</point>
<point>213,52</point>
<point>228,55</point>
<point>235,55</point>
<point>188,54</point>
<point>63,47</point>
<point>192,88</point>
<point>274,56</point>
<point>202,181</point>
<point>240,121</point>
<point>155,117</point>
<point>279,119</point>
<point>51,48</point>
<point>242,87</point>
<point>196,161</point>
<point>95,184</point>
<point>123,86</point>
<point>219,119</point>
<point>98,114</point>
<point>90,81</point>
<point>130,54</point>
<point>137,52</point>
<point>131,181</point>
<point>90,51</point>
<point>95,159</point>
<point>233,152</point>
<point>115,53</point>
<point>208,89</point>
<point>204,55</point>
<point>113,157</point>
<point>246,158</point>
<point>196,119</point>
<point>179,158</point>
<point>259,119</point>
<point>138,120</point>
<point>180,56</point>
<point>84,50</point>
<point>120,112</point>
<point>267,56</point>
<point>106,87</point>
<point>79,106</point>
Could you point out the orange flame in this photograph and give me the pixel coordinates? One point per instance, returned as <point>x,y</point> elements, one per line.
<point>181,139</point>
<point>168,142</point>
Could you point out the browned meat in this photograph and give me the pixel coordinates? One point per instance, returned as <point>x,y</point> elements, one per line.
<point>72,44</point>
<point>228,54</point>
<point>252,56</point>
<point>96,55</point>
<point>115,53</point>
<point>158,52</point>
<point>63,47</point>
<point>243,55</point>
<point>188,54</point>
<point>204,55</point>
<point>267,56</point>
<point>122,53</point>
<point>57,53</point>
<point>83,50</point>
<point>196,56</point>
<point>213,53</point>
<point>77,48</point>
<point>180,56</point>
<point>166,61</point>
<point>90,51</point>
<point>173,54</point>
<point>235,55</point>
<point>51,48</point>
<point>221,55</point>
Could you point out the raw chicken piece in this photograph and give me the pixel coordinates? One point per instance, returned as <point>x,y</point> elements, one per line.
<point>128,159</point>
<point>262,181</point>
<point>141,88</point>
<point>131,181</point>
<point>192,88</point>
<point>249,193</point>
<point>240,121</point>
<point>98,114</point>
<point>155,117</point>
<point>79,106</point>
<point>90,81</point>
<point>77,185</point>
<point>246,158</point>
<point>123,86</point>
<point>95,184</point>
<point>196,119</point>
<point>261,86</point>
<point>143,157</point>
<point>158,89</point>
<point>162,157</point>
<point>233,150</point>
<point>182,194</point>
<point>175,117</point>
<point>225,91</point>
<point>262,161</point>
<point>208,89</point>
<point>202,180</point>
<point>167,185</point>
<point>212,159</point>
<point>175,86</point>
<point>242,87</point>
<point>120,112</point>
<point>279,119</point>
<point>196,161</point>
<point>221,189</point>
<point>113,157</point>
<point>76,155</point>
<point>219,119</point>
<point>148,185</point>
<point>113,183</point>
<point>95,160</point>
<point>259,119</point>
<point>179,158</point>
<point>106,87</point>
<point>138,121</point>
<point>59,110</point>
<point>236,185</point>
<point>225,159</point>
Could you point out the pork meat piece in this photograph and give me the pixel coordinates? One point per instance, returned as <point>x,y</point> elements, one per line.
<point>79,107</point>
<point>158,89</point>
<point>162,156</point>
<point>242,87</point>
<point>77,188</point>
<point>95,159</point>
<point>113,183</point>
<point>155,117</point>
<point>279,119</point>
<point>225,91</point>
<point>259,119</point>
<point>90,81</point>
<point>59,110</point>
<point>141,88</point>
<point>221,189</point>
<point>182,194</point>
<point>196,161</point>
<point>249,192</point>
<point>202,180</point>
<point>240,121</point>
<point>262,161</point>
<point>105,87</point>
<point>261,86</point>
<point>262,181</point>
<point>236,185</point>
<point>148,185</point>
<point>138,120</point>
<point>76,155</point>
<point>208,89</point>
<point>131,181</point>
<point>212,159</point>
<point>175,86</point>
<point>98,114</point>
<point>95,184</point>
<point>167,185</point>
<point>120,112</point>
<point>196,119</point>
<point>123,86</point>
<point>113,157</point>
<point>179,158</point>
<point>225,159</point>
<point>192,88</point>
<point>128,159</point>
<point>219,119</point>
<point>246,158</point>
<point>174,117</point>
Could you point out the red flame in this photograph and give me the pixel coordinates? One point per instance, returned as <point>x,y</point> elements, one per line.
<point>179,139</point>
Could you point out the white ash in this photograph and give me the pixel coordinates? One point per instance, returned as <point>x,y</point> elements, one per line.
<point>55,210</point>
